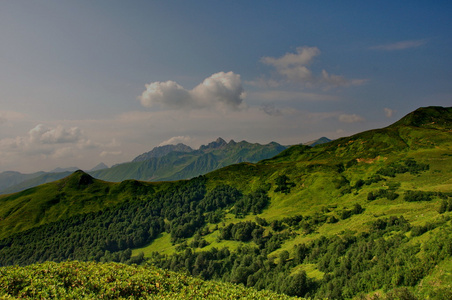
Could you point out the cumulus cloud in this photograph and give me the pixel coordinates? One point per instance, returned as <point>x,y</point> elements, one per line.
<point>294,67</point>
<point>352,118</point>
<point>176,140</point>
<point>54,141</point>
<point>303,56</point>
<point>389,112</point>
<point>402,45</point>
<point>57,135</point>
<point>221,90</point>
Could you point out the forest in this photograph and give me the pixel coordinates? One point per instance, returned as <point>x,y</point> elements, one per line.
<point>351,263</point>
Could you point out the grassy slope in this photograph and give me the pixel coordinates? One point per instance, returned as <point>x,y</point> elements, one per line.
<point>75,194</point>
<point>89,280</point>
<point>34,181</point>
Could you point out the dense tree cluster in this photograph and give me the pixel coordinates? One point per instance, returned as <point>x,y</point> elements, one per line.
<point>283,184</point>
<point>111,233</point>
<point>254,202</point>
<point>408,165</point>
<point>382,193</point>
<point>108,235</point>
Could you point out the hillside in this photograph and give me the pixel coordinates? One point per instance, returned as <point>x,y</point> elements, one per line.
<point>362,216</point>
<point>33,180</point>
<point>12,182</point>
<point>75,194</point>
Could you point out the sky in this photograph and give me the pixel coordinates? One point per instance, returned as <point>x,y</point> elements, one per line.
<point>84,82</point>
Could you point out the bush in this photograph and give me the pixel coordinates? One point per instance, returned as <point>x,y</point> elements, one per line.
<point>414,196</point>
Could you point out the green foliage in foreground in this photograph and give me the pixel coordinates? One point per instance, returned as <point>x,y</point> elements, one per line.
<point>89,280</point>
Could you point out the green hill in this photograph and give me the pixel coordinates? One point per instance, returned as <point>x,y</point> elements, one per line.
<point>78,193</point>
<point>368,215</point>
<point>33,180</point>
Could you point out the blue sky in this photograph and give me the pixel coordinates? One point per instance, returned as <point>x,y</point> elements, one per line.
<point>83,82</point>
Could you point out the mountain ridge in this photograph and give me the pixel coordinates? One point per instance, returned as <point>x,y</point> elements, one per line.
<point>177,165</point>
<point>162,151</point>
<point>181,160</point>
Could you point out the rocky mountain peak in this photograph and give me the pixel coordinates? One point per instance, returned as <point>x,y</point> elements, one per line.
<point>218,143</point>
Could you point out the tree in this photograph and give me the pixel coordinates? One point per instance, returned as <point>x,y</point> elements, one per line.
<point>283,184</point>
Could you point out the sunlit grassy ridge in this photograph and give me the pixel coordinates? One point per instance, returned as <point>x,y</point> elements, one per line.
<point>89,280</point>
<point>78,193</point>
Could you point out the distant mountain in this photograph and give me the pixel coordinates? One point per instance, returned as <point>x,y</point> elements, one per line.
<point>316,142</point>
<point>162,151</point>
<point>180,163</point>
<point>60,170</point>
<point>169,162</point>
<point>99,167</point>
<point>11,182</point>
<point>11,178</point>
<point>218,143</point>
<point>34,180</point>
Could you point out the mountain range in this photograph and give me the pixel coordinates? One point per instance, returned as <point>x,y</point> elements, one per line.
<point>367,216</point>
<point>168,162</point>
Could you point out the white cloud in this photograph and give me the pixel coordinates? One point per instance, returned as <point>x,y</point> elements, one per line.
<point>303,56</point>
<point>167,93</point>
<point>332,80</point>
<point>58,135</point>
<point>293,67</point>
<point>219,91</point>
<point>389,112</point>
<point>176,140</point>
<point>57,142</point>
<point>402,45</point>
<point>353,118</point>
